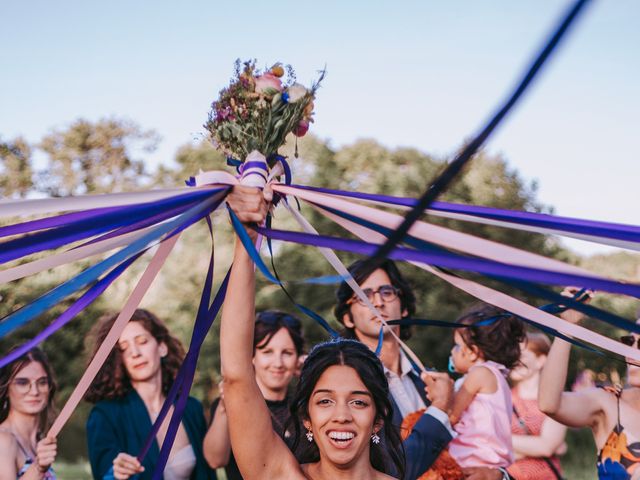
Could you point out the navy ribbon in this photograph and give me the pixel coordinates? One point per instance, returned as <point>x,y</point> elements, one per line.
<point>592,228</point>
<point>454,168</point>
<point>255,256</point>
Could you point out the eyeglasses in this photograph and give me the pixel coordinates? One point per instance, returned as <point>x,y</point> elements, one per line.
<point>23,385</point>
<point>278,318</point>
<point>388,293</point>
<point>630,340</point>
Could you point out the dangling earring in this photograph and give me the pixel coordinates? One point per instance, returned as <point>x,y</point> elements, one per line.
<point>5,404</point>
<point>309,435</point>
<point>375,439</point>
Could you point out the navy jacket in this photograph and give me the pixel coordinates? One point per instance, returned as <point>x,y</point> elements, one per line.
<point>122,425</point>
<point>427,438</point>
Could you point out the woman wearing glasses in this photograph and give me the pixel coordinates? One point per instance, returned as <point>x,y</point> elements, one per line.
<point>612,414</point>
<point>27,388</point>
<point>278,346</point>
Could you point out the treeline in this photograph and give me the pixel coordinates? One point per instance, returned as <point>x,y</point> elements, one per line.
<point>109,156</point>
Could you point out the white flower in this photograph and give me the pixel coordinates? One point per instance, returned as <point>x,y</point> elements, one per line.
<point>296,92</point>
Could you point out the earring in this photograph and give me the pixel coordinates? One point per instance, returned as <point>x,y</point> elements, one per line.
<point>309,435</point>
<point>375,438</point>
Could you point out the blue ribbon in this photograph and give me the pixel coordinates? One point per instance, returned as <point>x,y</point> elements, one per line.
<point>255,256</point>
<point>91,274</point>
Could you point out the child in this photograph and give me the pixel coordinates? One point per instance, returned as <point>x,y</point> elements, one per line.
<point>481,412</point>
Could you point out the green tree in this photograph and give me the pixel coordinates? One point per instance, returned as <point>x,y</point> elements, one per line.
<point>189,160</point>
<point>100,157</point>
<point>15,168</point>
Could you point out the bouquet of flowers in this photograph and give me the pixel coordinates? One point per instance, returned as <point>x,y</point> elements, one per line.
<point>259,109</point>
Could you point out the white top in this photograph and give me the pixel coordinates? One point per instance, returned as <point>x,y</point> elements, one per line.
<point>181,465</point>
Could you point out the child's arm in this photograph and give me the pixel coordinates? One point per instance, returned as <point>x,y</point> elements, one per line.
<point>478,380</point>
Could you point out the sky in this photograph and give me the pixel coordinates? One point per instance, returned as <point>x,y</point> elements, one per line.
<point>424,74</point>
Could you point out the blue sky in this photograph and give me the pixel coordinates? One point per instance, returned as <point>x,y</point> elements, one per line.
<point>424,74</point>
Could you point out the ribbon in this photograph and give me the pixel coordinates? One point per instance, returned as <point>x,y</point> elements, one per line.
<point>54,296</point>
<point>506,302</point>
<point>112,337</point>
<point>17,208</point>
<point>86,299</point>
<point>616,234</point>
<point>454,168</point>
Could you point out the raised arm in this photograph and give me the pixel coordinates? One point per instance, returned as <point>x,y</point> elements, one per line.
<point>573,409</point>
<point>259,451</point>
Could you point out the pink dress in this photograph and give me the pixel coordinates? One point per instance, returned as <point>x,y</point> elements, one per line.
<point>484,429</point>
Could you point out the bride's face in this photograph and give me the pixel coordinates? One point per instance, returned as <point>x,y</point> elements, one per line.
<point>342,416</point>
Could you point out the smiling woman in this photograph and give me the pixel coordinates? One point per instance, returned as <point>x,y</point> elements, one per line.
<point>341,398</point>
<point>278,345</point>
<point>129,392</point>
<point>27,389</point>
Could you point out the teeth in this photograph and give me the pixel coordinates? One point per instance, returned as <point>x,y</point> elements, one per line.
<point>341,435</point>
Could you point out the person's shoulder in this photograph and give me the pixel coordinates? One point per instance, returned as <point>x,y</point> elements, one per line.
<point>193,402</point>
<point>8,442</point>
<point>111,406</point>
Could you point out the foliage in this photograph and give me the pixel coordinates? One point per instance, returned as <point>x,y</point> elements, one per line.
<point>95,157</point>
<point>15,168</point>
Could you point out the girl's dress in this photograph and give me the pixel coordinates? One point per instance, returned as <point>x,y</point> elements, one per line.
<point>484,429</point>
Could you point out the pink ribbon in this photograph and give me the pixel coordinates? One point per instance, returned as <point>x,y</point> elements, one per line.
<point>112,337</point>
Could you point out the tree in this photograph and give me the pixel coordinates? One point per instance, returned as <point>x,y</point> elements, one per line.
<point>96,157</point>
<point>15,168</point>
<point>190,159</point>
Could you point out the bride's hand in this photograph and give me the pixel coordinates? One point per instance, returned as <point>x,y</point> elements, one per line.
<point>250,204</point>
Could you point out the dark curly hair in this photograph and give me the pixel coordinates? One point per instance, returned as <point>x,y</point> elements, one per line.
<point>499,341</point>
<point>356,355</point>
<point>360,271</point>
<point>113,381</point>
<point>269,322</point>
<point>10,371</point>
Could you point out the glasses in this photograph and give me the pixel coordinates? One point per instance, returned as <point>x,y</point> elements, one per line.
<point>278,318</point>
<point>23,385</point>
<point>630,340</point>
<point>388,293</point>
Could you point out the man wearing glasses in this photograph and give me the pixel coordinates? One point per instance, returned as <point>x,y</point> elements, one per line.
<point>392,296</point>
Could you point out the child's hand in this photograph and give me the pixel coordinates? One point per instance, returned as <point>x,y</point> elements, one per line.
<point>439,389</point>
<point>573,316</point>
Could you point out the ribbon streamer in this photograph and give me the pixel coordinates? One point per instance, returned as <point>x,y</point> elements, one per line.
<point>112,337</point>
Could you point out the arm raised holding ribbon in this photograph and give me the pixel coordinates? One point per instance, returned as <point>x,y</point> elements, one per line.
<point>259,451</point>
<point>612,414</point>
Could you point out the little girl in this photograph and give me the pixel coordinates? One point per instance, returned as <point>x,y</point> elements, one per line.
<point>481,412</point>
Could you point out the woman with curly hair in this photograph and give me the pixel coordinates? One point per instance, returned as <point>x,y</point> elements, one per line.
<point>27,389</point>
<point>129,392</point>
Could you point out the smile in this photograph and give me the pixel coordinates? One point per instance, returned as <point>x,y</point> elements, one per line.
<point>341,439</point>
